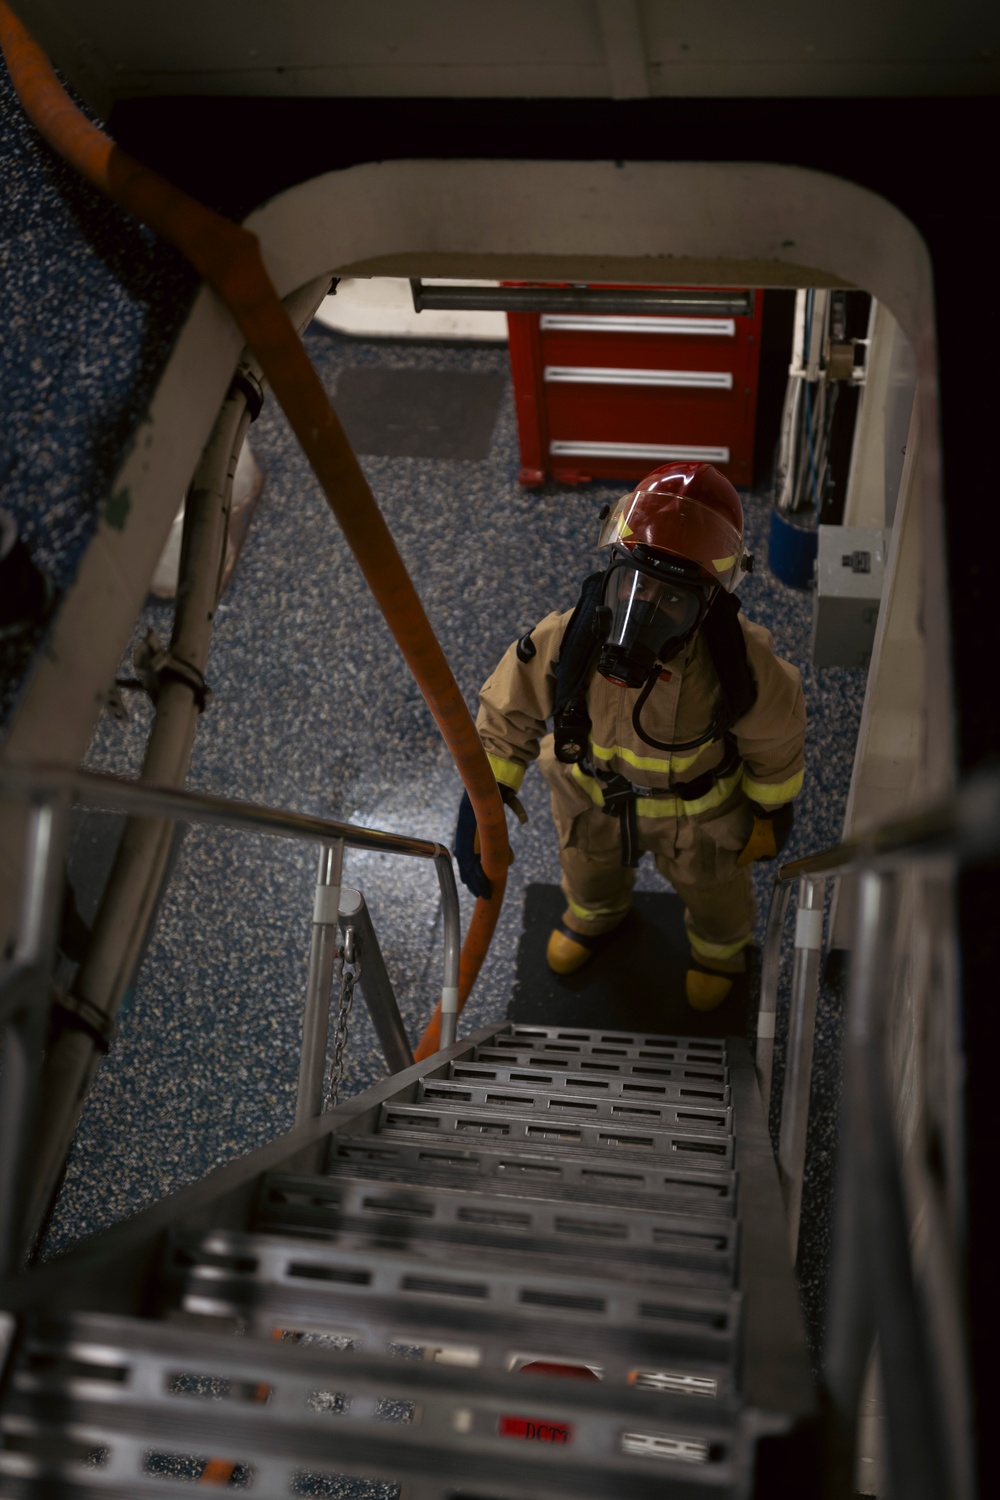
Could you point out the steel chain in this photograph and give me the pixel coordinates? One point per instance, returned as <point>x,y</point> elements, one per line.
<point>350,974</point>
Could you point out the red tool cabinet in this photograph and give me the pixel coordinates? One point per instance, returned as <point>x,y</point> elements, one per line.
<point>600,396</point>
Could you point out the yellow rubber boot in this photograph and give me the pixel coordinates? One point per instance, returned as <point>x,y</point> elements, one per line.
<point>567,951</point>
<point>706,991</point>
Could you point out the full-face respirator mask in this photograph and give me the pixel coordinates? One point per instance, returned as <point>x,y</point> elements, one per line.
<point>651,608</point>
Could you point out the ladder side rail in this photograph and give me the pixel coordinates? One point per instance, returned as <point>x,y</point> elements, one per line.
<point>873,1282</point>
<point>319,985</point>
<point>875,1272</point>
<point>799,1057</point>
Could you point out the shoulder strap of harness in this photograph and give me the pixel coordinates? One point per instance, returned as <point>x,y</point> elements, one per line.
<point>577,655</point>
<point>727,644</point>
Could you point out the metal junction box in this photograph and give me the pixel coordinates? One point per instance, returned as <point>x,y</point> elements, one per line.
<point>850,563</point>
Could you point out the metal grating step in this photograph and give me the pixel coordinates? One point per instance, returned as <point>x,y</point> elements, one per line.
<point>521,1173</point>
<point>225,1274</point>
<point>114,1407</point>
<point>479,1281</point>
<point>579,1100</point>
<point>555,1056</point>
<point>607,1082</point>
<point>610,1046</point>
<point>626,1242</point>
<point>602,1140</point>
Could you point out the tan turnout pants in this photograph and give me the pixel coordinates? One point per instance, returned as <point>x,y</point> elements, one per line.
<point>697,855</point>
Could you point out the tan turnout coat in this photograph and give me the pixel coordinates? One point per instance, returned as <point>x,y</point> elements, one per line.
<point>517,699</point>
<point>695,841</point>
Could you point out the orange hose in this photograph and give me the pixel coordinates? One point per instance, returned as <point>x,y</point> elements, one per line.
<point>228,257</point>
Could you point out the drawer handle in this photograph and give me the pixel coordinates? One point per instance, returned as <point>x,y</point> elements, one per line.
<point>713,380</point>
<point>663,452</point>
<point>637,323</point>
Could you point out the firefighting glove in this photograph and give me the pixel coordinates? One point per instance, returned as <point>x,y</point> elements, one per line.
<point>772,827</point>
<point>467,851</point>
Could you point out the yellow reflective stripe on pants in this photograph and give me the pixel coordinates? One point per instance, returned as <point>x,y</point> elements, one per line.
<point>594,913</point>
<point>769,795</point>
<point>665,807</point>
<point>706,949</point>
<point>506,771</point>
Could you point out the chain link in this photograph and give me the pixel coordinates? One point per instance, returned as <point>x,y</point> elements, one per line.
<point>350,974</point>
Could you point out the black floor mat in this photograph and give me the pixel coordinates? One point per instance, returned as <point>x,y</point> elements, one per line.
<point>635,982</point>
<point>418,413</point>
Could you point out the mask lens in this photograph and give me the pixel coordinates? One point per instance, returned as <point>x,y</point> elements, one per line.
<point>647,613</point>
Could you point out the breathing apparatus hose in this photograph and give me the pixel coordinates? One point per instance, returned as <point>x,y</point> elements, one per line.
<point>680,746</point>
<point>228,257</point>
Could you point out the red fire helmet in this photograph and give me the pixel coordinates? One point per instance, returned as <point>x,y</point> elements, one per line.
<point>688,511</point>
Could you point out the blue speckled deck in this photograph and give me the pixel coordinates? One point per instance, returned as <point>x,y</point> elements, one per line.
<point>90,306</point>
<point>313,709</point>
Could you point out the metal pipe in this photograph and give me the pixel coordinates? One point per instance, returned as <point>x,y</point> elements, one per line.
<point>133,887</point>
<point>135,879</point>
<point>769,974</point>
<point>28,983</point>
<point>799,1052</point>
<point>114,793</point>
<point>452,947</point>
<point>580,299</point>
<point>376,986</point>
<point>322,957</point>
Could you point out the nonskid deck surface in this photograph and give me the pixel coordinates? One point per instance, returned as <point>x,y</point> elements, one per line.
<point>503,1284</point>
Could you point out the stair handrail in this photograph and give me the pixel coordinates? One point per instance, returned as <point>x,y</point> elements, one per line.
<point>964,826</point>
<point>50,790</point>
<point>99,789</point>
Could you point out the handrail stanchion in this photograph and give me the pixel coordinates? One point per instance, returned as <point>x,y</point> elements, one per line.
<point>452,948</point>
<point>376,986</point>
<point>769,971</point>
<point>799,1051</point>
<point>322,957</point>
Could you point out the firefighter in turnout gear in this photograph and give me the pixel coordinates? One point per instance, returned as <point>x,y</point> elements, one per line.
<point>676,729</point>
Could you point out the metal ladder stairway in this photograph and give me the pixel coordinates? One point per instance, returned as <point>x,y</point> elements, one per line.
<point>545,1263</point>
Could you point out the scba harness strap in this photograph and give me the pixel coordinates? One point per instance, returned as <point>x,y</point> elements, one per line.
<point>581,645</point>
<point>621,795</point>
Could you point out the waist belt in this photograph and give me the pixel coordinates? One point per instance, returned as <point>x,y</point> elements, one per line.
<point>620,797</point>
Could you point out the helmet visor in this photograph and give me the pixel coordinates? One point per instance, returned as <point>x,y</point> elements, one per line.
<point>648,615</point>
<point>686,528</point>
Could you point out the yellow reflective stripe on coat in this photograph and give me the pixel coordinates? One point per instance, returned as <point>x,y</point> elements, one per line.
<point>665,807</point>
<point>715,950</point>
<point>769,795</point>
<point>679,807</point>
<point>507,771</point>
<point>650,762</point>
